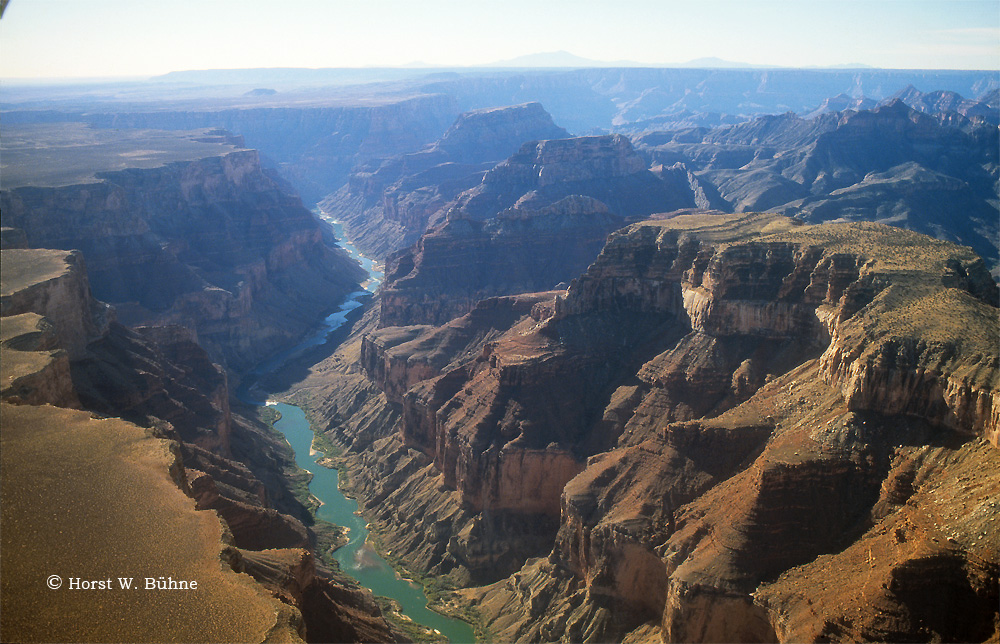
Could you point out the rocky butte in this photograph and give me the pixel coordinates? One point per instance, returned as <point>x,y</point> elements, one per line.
<point>728,428</point>
<point>537,219</point>
<point>388,203</point>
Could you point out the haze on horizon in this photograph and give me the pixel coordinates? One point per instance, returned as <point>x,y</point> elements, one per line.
<point>48,39</point>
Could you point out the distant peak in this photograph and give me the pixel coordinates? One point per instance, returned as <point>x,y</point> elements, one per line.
<point>893,106</point>
<point>908,92</point>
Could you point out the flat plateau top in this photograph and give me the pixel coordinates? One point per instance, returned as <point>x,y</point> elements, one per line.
<point>26,267</point>
<point>63,154</point>
<point>92,499</point>
<point>893,250</point>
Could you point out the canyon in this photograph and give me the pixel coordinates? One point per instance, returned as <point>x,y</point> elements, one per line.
<point>690,369</point>
<point>388,203</point>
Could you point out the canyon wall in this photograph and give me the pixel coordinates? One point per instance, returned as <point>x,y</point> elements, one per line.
<point>315,147</point>
<point>703,515</point>
<point>212,244</point>
<point>929,171</point>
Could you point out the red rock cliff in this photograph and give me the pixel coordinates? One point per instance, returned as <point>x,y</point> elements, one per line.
<point>753,459</point>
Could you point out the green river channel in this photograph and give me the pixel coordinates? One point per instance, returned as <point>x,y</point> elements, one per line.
<point>357,559</point>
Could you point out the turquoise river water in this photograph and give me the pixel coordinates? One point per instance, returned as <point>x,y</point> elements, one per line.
<point>357,558</point>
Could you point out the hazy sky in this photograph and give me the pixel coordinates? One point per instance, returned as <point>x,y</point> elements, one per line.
<point>72,38</point>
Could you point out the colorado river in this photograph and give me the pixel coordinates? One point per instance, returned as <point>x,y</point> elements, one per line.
<point>358,559</point>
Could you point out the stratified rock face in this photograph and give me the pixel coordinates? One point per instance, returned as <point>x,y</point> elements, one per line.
<point>605,168</point>
<point>831,380</point>
<point>54,284</point>
<point>292,576</point>
<point>212,244</point>
<point>498,132</point>
<point>34,370</point>
<point>522,250</point>
<point>536,220</point>
<point>63,347</point>
<point>396,358</point>
<point>933,172</point>
<point>388,204</point>
<point>749,392</point>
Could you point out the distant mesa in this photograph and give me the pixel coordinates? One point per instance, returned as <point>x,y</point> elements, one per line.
<point>566,59</point>
<point>82,153</point>
<point>261,91</point>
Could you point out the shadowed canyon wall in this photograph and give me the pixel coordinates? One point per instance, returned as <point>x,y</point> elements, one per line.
<point>213,244</point>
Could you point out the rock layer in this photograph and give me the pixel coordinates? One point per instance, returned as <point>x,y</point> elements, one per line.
<point>934,173</point>
<point>662,531</point>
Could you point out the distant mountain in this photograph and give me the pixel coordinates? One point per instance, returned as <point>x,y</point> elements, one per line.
<point>561,59</point>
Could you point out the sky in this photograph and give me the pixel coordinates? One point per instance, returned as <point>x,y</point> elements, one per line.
<point>43,39</point>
